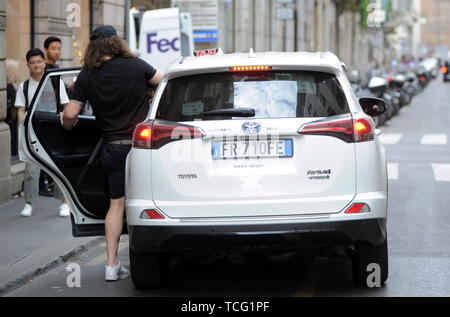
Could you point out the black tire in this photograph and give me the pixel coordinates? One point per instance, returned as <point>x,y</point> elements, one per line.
<point>148,269</point>
<point>365,254</point>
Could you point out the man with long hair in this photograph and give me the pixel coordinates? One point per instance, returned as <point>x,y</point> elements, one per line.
<point>115,82</point>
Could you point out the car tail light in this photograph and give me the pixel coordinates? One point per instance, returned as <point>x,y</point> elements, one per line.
<point>348,129</point>
<point>151,214</point>
<point>357,208</point>
<point>422,78</point>
<point>249,68</point>
<point>156,134</point>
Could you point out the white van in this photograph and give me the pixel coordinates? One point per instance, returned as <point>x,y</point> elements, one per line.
<point>160,37</point>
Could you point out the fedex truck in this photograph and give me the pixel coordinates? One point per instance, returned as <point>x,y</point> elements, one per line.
<point>160,37</point>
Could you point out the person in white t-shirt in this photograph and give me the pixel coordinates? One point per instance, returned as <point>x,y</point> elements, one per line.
<point>36,64</point>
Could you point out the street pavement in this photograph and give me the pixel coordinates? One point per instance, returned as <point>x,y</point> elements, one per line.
<point>33,245</point>
<point>418,154</point>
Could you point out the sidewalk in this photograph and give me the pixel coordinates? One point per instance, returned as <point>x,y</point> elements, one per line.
<point>31,246</point>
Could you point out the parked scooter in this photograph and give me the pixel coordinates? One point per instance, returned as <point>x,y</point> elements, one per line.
<point>423,76</point>
<point>413,85</point>
<point>397,84</point>
<point>377,88</point>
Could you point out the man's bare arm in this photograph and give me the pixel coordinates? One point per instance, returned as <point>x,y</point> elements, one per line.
<point>20,113</point>
<point>69,116</point>
<point>156,79</point>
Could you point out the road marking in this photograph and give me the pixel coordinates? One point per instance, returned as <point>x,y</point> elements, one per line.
<point>434,139</point>
<point>441,172</point>
<point>101,259</point>
<point>390,138</point>
<point>392,170</point>
<point>312,278</point>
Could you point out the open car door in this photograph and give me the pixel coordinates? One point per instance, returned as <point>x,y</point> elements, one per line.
<point>71,158</point>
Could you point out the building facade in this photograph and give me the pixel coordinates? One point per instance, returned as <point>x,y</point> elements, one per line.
<point>436,23</point>
<point>5,135</point>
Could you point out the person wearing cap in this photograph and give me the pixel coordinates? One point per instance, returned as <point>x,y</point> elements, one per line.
<point>115,82</point>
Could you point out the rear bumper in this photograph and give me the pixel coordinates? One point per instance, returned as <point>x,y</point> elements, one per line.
<point>216,237</point>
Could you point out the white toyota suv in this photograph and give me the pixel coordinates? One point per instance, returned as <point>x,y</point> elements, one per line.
<point>238,150</point>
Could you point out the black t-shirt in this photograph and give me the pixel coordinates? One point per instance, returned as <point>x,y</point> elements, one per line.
<point>118,94</point>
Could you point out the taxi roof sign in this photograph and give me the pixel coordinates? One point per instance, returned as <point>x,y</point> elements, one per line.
<point>208,51</point>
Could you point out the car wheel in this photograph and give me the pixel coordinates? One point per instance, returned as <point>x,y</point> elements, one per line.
<point>148,269</point>
<point>366,254</point>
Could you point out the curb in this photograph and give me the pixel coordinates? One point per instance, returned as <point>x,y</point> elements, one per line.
<point>32,274</point>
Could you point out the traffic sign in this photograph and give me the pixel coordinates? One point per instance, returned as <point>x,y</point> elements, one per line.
<point>285,13</point>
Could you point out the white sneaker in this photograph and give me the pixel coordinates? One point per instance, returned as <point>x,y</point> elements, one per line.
<point>64,210</point>
<point>114,273</point>
<point>27,211</point>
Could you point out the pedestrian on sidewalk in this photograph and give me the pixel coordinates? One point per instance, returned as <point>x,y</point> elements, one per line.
<point>36,64</point>
<point>52,49</point>
<point>116,84</point>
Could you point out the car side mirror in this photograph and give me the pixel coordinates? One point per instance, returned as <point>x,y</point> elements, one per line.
<point>374,107</point>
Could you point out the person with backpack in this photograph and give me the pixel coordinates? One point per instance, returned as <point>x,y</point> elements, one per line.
<point>36,64</point>
<point>52,49</point>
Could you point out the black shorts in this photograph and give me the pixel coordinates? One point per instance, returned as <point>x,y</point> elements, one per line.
<point>113,160</point>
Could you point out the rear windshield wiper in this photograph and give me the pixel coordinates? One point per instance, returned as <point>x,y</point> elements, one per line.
<point>231,112</point>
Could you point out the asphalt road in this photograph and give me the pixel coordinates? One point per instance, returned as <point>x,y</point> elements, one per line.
<point>418,154</point>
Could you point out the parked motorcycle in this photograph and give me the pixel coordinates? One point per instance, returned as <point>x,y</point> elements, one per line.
<point>377,88</point>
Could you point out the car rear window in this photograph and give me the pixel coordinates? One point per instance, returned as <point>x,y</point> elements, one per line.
<point>273,94</point>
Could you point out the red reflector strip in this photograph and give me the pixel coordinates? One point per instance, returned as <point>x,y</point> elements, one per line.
<point>250,68</point>
<point>154,214</point>
<point>357,208</point>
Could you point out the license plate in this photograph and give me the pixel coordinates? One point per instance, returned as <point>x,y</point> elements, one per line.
<point>247,149</point>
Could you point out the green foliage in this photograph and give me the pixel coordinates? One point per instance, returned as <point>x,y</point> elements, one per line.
<point>354,6</point>
<point>389,11</point>
<point>363,13</point>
